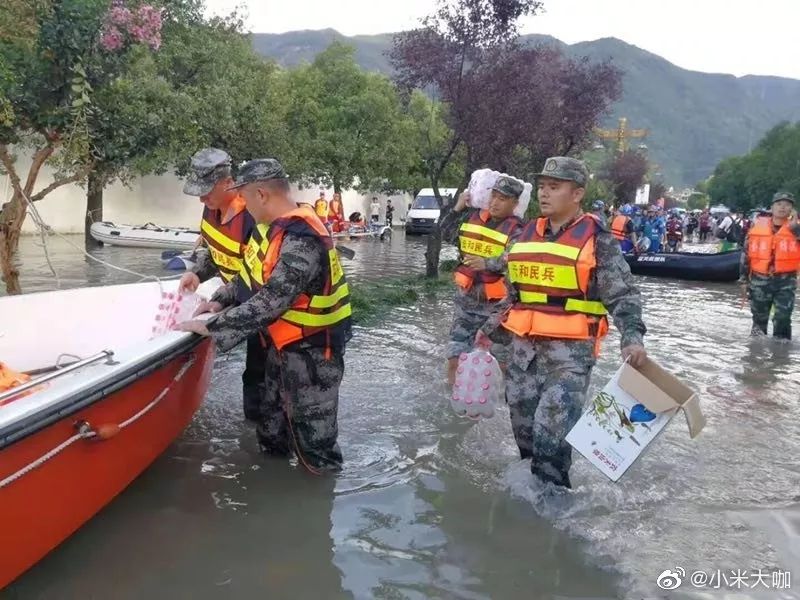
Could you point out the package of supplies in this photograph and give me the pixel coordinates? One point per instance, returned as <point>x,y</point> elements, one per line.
<point>480,190</point>
<point>174,308</point>
<point>629,413</point>
<point>478,385</point>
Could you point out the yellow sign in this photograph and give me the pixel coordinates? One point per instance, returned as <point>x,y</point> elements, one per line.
<point>479,248</point>
<point>531,273</point>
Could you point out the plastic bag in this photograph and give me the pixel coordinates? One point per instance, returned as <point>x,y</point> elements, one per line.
<point>478,385</point>
<point>174,308</point>
<point>481,183</point>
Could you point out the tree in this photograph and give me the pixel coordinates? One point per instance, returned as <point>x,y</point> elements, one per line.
<point>747,182</point>
<point>466,56</point>
<point>346,123</point>
<point>697,200</point>
<point>72,49</point>
<point>626,173</point>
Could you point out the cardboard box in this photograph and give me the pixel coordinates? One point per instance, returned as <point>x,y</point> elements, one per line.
<point>629,413</point>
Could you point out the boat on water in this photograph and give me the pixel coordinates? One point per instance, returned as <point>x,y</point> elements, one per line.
<point>722,266</point>
<point>106,388</point>
<point>178,260</point>
<point>383,232</point>
<point>148,235</point>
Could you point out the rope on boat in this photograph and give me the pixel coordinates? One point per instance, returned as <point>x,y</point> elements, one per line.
<point>106,431</point>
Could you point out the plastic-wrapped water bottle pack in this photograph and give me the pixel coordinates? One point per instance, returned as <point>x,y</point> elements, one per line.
<point>478,385</point>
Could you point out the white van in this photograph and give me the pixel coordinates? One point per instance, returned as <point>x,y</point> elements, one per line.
<point>424,211</point>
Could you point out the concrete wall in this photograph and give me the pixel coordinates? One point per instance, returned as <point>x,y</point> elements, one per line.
<point>156,199</point>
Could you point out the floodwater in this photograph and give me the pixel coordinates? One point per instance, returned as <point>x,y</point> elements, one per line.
<point>430,506</point>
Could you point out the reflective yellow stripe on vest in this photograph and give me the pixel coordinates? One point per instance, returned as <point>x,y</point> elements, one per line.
<point>324,320</point>
<point>224,260</point>
<point>589,307</point>
<point>498,236</point>
<point>482,247</point>
<point>531,273</point>
<point>219,237</point>
<point>332,300</point>
<point>553,248</point>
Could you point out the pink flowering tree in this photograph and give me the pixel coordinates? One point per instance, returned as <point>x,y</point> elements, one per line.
<point>70,54</point>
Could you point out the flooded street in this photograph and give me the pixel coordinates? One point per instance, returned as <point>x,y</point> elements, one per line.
<point>431,506</point>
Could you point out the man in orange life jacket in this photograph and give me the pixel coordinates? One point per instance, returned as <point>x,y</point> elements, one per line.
<point>225,228</point>
<point>483,238</point>
<point>566,274</point>
<point>299,302</point>
<point>770,261</point>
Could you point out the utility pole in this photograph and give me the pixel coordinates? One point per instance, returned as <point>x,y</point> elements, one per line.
<point>621,134</point>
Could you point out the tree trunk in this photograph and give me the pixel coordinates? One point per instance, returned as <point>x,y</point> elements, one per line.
<point>94,208</point>
<point>432,253</point>
<point>12,216</point>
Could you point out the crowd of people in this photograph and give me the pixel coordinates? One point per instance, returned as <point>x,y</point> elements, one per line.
<point>653,229</point>
<point>331,213</point>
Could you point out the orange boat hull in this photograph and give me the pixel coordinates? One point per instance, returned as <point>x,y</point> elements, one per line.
<point>46,505</point>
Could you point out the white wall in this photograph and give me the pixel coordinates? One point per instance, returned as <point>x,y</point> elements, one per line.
<point>156,199</point>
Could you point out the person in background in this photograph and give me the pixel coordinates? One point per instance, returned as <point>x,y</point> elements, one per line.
<point>674,231</point>
<point>599,211</point>
<point>730,232</point>
<point>691,226</point>
<point>770,262</point>
<point>389,213</point>
<point>321,207</point>
<point>375,211</point>
<point>653,229</point>
<point>704,223</point>
<point>623,230</point>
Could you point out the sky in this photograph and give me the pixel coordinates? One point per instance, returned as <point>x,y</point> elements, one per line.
<point>740,37</point>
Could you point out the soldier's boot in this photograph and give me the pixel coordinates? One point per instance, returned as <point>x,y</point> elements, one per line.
<point>252,397</point>
<point>554,468</point>
<point>782,326</point>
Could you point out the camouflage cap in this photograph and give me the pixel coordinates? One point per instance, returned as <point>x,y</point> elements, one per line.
<point>508,186</point>
<point>566,168</point>
<point>259,169</point>
<point>208,166</point>
<point>783,195</point>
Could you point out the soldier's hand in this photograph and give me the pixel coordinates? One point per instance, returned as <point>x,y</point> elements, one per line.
<point>463,201</point>
<point>475,262</point>
<point>482,341</point>
<point>189,282</point>
<point>197,327</point>
<point>207,307</point>
<point>634,353</point>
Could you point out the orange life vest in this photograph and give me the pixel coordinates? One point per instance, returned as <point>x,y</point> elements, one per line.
<point>324,319</point>
<point>336,208</point>
<point>9,379</point>
<point>321,208</point>
<point>553,280</point>
<point>770,252</point>
<point>476,238</point>
<point>618,226</point>
<point>226,241</point>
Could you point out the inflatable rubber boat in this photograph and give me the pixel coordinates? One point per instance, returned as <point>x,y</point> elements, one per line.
<point>144,236</point>
<point>178,260</point>
<point>87,404</point>
<point>722,266</point>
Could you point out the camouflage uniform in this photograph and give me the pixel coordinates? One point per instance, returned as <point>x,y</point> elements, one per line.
<point>300,405</point>
<point>547,378</point>
<point>766,292</point>
<point>470,307</point>
<point>208,166</point>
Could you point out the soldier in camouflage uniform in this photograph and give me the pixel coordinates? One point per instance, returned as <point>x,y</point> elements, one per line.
<point>483,238</point>
<point>225,228</point>
<point>303,307</point>
<point>566,271</point>
<point>770,261</point>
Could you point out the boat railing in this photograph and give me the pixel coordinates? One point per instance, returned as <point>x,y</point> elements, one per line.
<point>73,366</point>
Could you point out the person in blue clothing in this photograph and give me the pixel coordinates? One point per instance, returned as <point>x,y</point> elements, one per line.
<point>654,229</point>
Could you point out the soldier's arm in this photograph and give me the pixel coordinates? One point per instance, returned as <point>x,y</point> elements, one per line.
<point>498,264</point>
<point>499,310</point>
<point>226,294</point>
<point>617,291</point>
<point>300,263</point>
<point>795,229</point>
<point>204,267</point>
<point>451,223</point>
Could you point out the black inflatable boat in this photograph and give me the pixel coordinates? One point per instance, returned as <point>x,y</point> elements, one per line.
<point>723,266</point>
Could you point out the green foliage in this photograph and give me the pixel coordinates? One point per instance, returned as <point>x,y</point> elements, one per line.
<point>747,182</point>
<point>697,200</point>
<point>372,300</point>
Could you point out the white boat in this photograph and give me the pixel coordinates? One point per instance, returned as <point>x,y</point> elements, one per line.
<point>111,388</point>
<point>144,236</point>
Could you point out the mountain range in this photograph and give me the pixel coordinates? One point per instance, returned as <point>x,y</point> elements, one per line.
<point>693,119</point>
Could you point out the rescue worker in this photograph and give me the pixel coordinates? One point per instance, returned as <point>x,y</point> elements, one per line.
<point>299,302</point>
<point>483,238</point>
<point>654,229</point>
<point>599,211</point>
<point>623,230</point>
<point>566,274</point>
<point>321,207</point>
<point>674,232</point>
<point>225,228</point>
<point>770,261</point>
